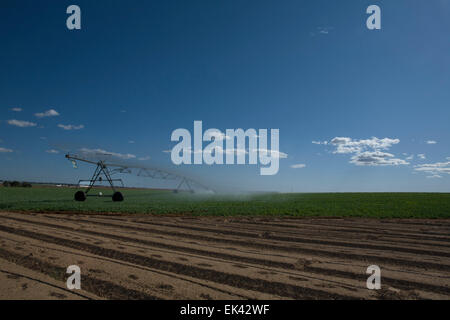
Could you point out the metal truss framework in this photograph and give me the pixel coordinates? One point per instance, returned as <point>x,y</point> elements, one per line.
<point>103,168</point>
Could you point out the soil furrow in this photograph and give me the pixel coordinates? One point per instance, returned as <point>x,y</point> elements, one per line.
<point>397,283</point>
<point>215,254</point>
<point>259,285</point>
<point>324,232</point>
<point>16,275</point>
<point>318,272</point>
<point>98,287</point>
<point>103,260</point>
<point>185,257</point>
<point>298,239</point>
<point>347,234</point>
<point>316,252</point>
<point>413,234</point>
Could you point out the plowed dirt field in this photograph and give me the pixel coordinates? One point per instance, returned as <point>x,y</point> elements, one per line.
<point>180,257</point>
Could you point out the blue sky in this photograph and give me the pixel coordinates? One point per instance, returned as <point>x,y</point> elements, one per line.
<point>137,70</point>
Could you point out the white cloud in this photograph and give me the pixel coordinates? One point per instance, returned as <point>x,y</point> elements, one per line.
<point>53,151</point>
<point>48,113</point>
<point>434,176</point>
<point>340,140</point>
<point>431,142</point>
<point>324,30</point>
<point>21,124</point>
<point>367,152</point>
<point>434,168</point>
<point>71,127</point>
<point>5,150</point>
<point>298,166</point>
<point>101,152</point>
<point>16,109</point>
<point>131,141</point>
<point>421,156</point>
<point>348,145</point>
<point>320,142</point>
<point>144,158</point>
<point>273,153</point>
<point>376,158</point>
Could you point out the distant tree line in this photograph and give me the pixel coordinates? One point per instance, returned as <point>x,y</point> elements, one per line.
<point>16,184</point>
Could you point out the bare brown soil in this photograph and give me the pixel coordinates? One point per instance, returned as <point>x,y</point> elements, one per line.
<point>149,257</point>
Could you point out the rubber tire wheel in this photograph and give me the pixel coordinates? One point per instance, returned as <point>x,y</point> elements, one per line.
<point>117,196</point>
<point>80,196</point>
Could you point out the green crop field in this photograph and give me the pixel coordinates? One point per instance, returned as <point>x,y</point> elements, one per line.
<point>380,205</point>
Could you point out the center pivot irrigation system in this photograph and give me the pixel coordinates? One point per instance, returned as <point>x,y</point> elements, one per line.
<point>105,170</point>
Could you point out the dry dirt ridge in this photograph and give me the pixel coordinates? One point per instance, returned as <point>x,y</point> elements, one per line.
<point>148,257</point>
